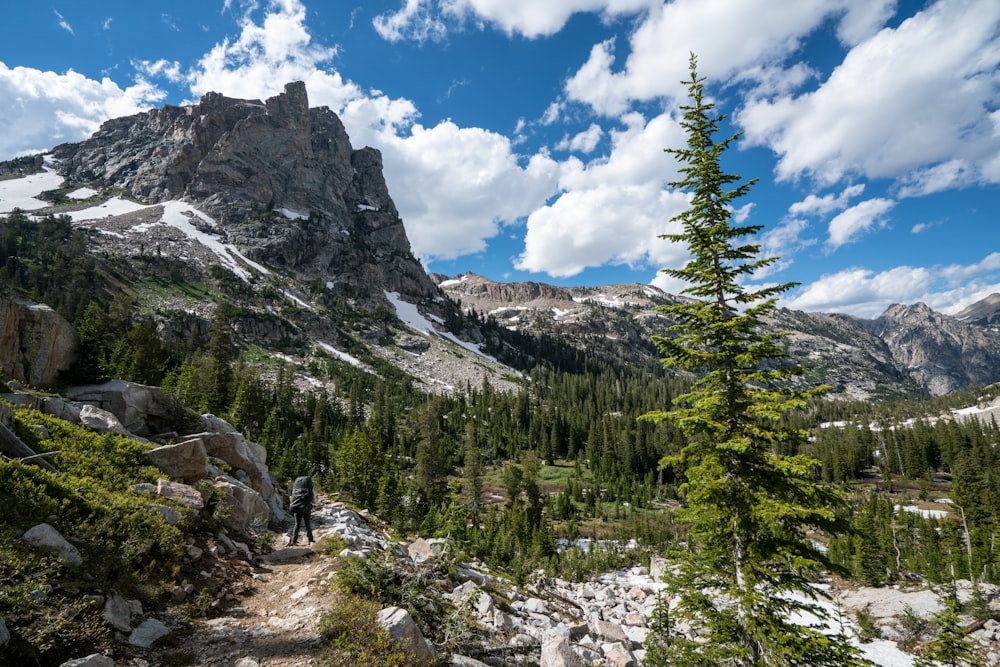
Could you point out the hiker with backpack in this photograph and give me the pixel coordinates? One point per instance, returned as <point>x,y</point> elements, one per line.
<point>301,504</point>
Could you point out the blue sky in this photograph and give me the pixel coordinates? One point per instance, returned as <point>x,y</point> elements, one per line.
<point>524,140</point>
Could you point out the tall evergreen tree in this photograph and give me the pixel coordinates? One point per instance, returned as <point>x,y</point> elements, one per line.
<point>747,502</point>
<point>220,381</point>
<point>472,472</point>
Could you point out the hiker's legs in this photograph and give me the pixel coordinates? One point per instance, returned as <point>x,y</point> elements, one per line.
<point>309,528</point>
<point>298,525</point>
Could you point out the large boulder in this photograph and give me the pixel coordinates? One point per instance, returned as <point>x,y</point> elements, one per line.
<point>102,421</point>
<point>4,633</point>
<point>46,538</point>
<point>117,612</point>
<point>242,507</point>
<point>240,453</point>
<point>184,493</point>
<point>147,633</point>
<point>141,409</point>
<point>224,442</point>
<point>186,461</point>
<point>611,632</point>
<point>404,630</point>
<point>36,343</point>
<point>556,652</point>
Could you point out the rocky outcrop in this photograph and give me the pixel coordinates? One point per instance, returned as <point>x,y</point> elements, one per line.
<point>281,179</point>
<point>242,509</point>
<point>940,352</point>
<point>141,409</point>
<point>36,343</point>
<point>841,351</point>
<point>985,312</point>
<point>249,496</point>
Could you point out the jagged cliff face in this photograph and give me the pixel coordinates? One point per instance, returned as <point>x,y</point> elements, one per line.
<point>281,180</point>
<point>941,353</point>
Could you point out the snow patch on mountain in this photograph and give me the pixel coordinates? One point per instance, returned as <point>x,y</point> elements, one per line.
<point>411,317</point>
<point>22,192</point>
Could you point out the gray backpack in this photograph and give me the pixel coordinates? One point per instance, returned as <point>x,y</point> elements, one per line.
<point>302,495</point>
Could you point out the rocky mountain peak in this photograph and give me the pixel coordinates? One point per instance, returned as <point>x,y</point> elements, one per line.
<point>280,179</point>
<point>941,352</point>
<point>985,311</point>
<point>900,312</point>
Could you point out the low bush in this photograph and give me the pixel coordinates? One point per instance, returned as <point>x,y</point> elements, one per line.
<point>356,637</point>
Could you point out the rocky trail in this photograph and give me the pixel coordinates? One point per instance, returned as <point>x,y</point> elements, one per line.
<point>277,624</point>
<point>275,620</point>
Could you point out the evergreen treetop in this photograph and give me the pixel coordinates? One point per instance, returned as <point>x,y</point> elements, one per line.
<point>749,498</point>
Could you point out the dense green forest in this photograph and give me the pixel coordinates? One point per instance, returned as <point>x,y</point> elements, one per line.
<point>567,455</point>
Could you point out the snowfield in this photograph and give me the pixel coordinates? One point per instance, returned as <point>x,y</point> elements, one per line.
<point>22,192</point>
<point>411,317</point>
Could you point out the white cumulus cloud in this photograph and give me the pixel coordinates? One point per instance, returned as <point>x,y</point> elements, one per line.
<point>40,109</point>
<point>848,226</point>
<point>422,19</point>
<point>867,293</point>
<point>906,103</point>
<point>415,20</point>
<point>731,39</point>
<point>816,205</point>
<point>584,142</point>
<point>611,209</point>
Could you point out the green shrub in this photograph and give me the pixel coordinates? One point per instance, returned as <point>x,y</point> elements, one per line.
<point>389,585</point>
<point>867,629</point>
<point>356,637</point>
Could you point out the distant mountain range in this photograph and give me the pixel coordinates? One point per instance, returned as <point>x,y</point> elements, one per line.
<point>908,350</point>
<point>269,205</point>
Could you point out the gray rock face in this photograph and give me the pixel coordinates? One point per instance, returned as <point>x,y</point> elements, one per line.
<point>243,507</point>
<point>281,179</point>
<point>906,351</point>
<point>4,633</point>
<point>36,343</point>
<point>45,537</point>
<point>117,612</point>
<point>141,409</point>
<point>101,421</point>
<point>556,652</point>
<point>186,461</point>
<point>942,353</point>
<point>404,630</point>
<point>186,494</point>
<point>223,442</point>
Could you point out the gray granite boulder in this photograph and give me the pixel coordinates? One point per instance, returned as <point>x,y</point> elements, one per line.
<point>46,538</point>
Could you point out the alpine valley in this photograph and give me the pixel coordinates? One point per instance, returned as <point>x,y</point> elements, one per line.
<point>221,297</point>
